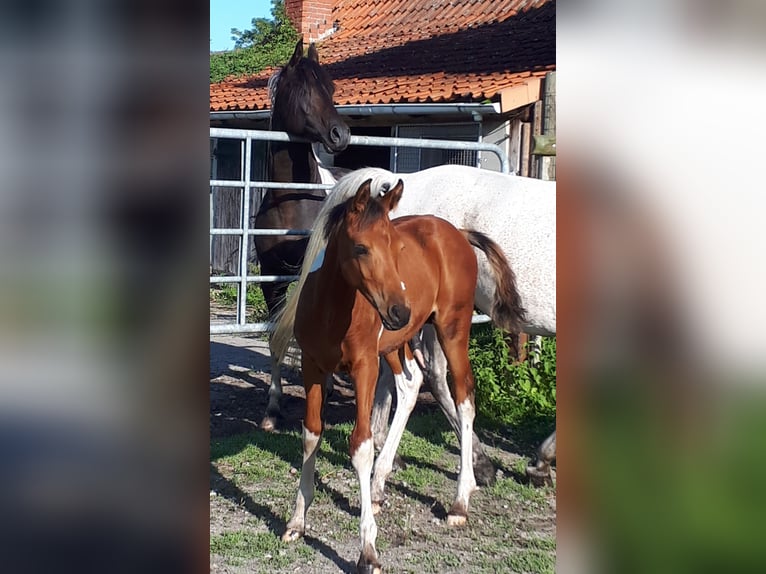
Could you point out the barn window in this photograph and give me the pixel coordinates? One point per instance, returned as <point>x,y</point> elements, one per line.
<point>408,160</point>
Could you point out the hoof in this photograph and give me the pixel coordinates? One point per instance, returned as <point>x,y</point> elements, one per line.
<point>455,520</point>
<point>269,423</point>
<point>368,567</point>
<point>291,535</point>
<point>484,471</point>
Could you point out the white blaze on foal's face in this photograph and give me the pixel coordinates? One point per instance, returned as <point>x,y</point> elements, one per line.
<point>404,287</point>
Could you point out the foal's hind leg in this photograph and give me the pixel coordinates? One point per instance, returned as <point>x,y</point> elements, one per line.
<point>483,468</point>
<point>381,407</point>
<point>273,293</point>
<point>453,332</point>
<point>408,379</point>
<point>313,381</point>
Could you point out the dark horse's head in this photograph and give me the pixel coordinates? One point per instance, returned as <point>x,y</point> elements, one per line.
<point>301,101</point>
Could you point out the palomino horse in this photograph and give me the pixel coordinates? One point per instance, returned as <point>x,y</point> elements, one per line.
<point>517,212</point>
<point>374,287</point>
<point>301,104</point>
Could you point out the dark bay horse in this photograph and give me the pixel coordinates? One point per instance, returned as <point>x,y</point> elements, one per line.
<point>301,105</point>
<point>375,285</point>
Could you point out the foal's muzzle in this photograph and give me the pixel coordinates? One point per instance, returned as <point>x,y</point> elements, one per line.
<point>396,317</point>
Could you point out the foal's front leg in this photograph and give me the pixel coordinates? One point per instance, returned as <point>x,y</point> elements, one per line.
<point>313,381</point>
<point>364,374</point>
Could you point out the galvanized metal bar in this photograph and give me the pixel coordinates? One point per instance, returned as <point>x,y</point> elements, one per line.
<point>434,144</point>
<point>242,309</point>
<point>269,184</point>
<point>254,278</point>
<point>230,328</point>
<point>239,230</point>
<point>260,135</point>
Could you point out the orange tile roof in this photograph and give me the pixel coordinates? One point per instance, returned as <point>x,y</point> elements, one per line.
<point>415,51</point>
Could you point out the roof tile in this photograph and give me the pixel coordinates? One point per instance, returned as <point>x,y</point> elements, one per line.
<point>389,51</point>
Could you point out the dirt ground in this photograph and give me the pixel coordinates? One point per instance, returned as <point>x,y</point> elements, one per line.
<point>510,529</point>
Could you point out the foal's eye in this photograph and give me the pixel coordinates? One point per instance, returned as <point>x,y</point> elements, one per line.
<point>360,250</point>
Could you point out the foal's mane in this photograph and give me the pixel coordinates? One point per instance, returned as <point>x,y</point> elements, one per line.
<point>373,211</point>
<point>345,188</point>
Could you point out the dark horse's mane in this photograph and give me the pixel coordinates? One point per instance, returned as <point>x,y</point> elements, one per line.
<point>305,73</point>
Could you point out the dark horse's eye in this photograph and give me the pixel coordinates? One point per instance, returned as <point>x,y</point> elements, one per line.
<point>360,250</point>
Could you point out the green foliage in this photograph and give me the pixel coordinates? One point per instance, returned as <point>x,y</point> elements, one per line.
<point>269,43</point>
<point>226,294</point>
<point>522,394</point>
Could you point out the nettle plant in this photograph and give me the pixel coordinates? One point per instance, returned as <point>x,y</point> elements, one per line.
<point>520,394</point>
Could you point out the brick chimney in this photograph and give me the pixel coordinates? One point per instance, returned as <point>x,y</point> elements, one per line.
<point>312,18</point>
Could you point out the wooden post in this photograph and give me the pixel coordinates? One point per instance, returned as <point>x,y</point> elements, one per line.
<point>537,129</point>
<point>514,154</point>
<point>549,124</point>
<point>526,141</point>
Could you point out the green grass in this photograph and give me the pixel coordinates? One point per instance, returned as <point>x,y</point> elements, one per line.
<point>521,560</point>
<point>508,488</point>
<point>241,546</point>
<point>257,447</point>
<point>253,474</point>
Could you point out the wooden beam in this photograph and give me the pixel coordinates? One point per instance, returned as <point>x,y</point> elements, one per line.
<point>519,96</point>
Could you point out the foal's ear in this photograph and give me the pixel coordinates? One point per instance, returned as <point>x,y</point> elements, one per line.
<point>390,200</point>
<point>313,54</point>
<point>362,198</point>
<point>297,54</point>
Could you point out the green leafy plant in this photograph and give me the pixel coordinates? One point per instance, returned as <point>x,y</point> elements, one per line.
<point>226,294</point>
<point>521,394</point>
<point>270,42</point>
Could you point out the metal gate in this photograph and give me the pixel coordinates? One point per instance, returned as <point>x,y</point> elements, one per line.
<point>244,231</point>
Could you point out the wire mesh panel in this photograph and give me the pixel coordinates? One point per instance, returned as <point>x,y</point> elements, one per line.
<point>409,159</point>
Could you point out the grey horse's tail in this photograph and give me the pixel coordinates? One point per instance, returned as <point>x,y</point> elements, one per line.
<point>507,311</point>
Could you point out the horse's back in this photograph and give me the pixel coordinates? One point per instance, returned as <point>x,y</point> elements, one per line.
<point>519,213</point>
<point>437,252</point>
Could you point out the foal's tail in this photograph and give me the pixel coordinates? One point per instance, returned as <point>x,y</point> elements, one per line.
<point>347,186</point>
<point>507,311</point>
